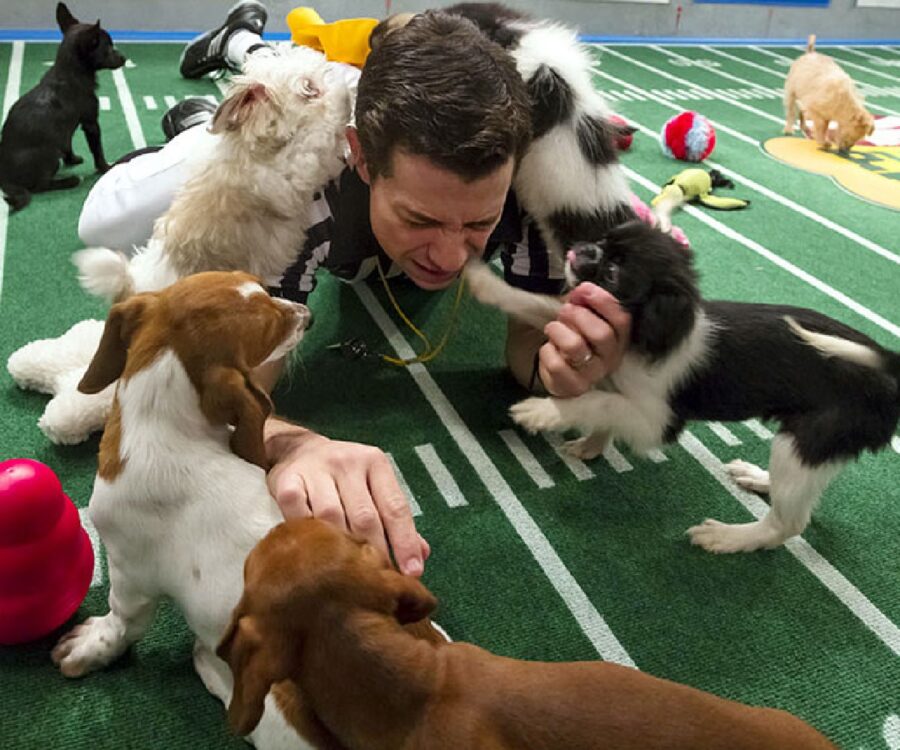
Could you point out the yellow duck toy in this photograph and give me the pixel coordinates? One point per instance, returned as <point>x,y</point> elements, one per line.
<point>344,41</point>
<point>689,186</point>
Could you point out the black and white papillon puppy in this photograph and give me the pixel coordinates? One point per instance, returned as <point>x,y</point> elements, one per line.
<point>834,391</point>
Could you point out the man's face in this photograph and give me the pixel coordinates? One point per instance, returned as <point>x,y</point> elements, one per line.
<point>430,221</point>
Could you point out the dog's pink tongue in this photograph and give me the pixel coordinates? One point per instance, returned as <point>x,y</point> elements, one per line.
<point>570,256</point>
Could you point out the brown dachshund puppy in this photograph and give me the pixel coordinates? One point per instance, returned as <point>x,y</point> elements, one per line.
<point>322,614</point>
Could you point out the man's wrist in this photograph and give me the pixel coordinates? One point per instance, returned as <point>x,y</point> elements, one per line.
<point>280,436</point>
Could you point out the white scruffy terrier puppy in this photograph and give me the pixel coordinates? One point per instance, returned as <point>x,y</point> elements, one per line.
<point>281,132</point>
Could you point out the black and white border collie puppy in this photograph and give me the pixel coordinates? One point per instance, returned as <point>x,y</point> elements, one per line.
<point>835,391</point>
<point>570,180</point>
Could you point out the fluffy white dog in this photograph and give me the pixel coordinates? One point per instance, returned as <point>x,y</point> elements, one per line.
<point>281,138</point>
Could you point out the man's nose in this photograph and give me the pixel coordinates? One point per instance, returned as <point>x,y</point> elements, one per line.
<point>451,250</point>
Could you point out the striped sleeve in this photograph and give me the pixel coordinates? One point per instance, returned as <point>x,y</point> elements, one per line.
<point>523,252</point>
<point>298,281</point>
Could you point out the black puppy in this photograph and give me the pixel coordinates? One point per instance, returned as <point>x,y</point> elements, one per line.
<point>38,131</point>
<point>835,391</point>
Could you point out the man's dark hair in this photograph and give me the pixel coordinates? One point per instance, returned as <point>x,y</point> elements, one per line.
<point>439,88</point>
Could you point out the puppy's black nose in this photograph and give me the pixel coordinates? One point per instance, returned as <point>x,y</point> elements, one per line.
<point>584,260</point>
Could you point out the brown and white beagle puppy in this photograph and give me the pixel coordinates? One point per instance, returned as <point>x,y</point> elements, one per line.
<point>180,495</point>
<point>322,615</point>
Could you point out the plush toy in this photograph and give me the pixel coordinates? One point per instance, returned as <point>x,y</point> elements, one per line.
<point>693,185</point>
<point>56,366</point>
<point>687,136</point>
<point>46,558</point>
<point>344,41</point>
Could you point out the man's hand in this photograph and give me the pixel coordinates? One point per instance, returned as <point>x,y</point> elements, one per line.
<point>585,343</point>
<point>350,485</point>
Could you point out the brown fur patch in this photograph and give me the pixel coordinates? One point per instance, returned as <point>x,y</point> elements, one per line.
<point>110,461</point>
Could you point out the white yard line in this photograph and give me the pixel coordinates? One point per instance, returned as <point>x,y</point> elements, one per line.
<point>150,103</point>
<point>526,459</point>
<point>850,596</point>
<point>856,66</point>
<point>615,459</point>
<point>579,469</point>
<point>13,84</point>
<point>786,265</point>
<point>781,74</point>
<point>759,429</point>
<point>895,444</point>
<point>586,615</point>
<point>170,101</point>
<point>718,72</point>
<point>771,194</point>
<point>717,94</point>
<point>786,61</point>
<point>97,578</point>
<point>128,109</point>
<point>723,433</point>
<point>656,455</point>
<point>441,476</point>
<point>414,506</point>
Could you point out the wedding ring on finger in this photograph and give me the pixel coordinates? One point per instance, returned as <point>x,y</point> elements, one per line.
<point>582,362</point>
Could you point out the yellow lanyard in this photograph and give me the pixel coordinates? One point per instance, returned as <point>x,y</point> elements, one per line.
<point>430,352</point>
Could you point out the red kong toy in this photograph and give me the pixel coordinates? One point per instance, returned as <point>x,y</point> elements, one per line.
<point>46,558</point>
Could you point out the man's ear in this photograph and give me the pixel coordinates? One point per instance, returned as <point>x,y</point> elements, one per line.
<point>412,601</point>
<point>64,18</point>
<point>249,655</point>
<point>231,397</point>
<point>357,157</point>
<point>109,359</point>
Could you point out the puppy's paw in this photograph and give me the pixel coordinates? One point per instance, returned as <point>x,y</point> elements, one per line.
<point>748,476</point>
<point>587,448</point>
<point>788,130</point>
<point>92,645</point>
<point>536,414</point>
<point>484,285</point>
<point>724,538</point>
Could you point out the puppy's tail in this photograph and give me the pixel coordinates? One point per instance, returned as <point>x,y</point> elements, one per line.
<point>811,43</point>
<point>103,273</point>
<point>835,346</point>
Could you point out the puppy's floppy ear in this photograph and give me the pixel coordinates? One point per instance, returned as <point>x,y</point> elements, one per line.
<point>64,18</point>
<point>412,601</point>
<point>237,107</point>
<point>663,321</point>
<point>231,397</point>
<point>109,359</point>
<point>251,656</point>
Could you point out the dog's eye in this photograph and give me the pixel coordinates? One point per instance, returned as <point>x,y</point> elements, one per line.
<point>612,274</point>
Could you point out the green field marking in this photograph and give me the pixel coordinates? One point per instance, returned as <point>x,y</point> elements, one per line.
<point>756,627</point>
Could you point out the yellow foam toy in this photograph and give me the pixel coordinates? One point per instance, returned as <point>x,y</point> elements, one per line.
<point>345,41</point>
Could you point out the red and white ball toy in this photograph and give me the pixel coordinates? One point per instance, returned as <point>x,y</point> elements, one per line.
<point>688,136</point>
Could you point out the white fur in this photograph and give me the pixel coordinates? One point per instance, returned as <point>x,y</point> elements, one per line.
<point>794,489</point>
<point>835,346</point>
<point>178,521</point>
<point>247,206</point>
<point>553,174</point>
<point>636,408</point>
<point>633,405</point>
<point>56,366</point>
